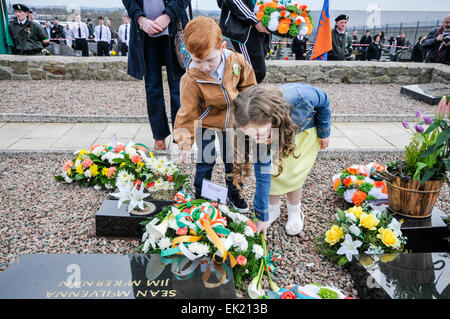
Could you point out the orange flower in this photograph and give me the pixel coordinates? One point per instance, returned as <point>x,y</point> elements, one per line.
<point>283,14</point>
<point>358,198</point>
<point>352,170</point>
<point>94,147</point>
<point>310,28</point>
<point>288,295</point>
<point>136,158</point>
<point>274,5</point>
<point>241,260</point>
<point>307,20</point>
<point>336,183</point>
<point>259,15</point>
<point>112,171</point>
<point>347,181</point>
<point>283,28</point>
<point>384,190</point>
<point>252,225</point>
<point>294,15</point>
<point>379,184</point>
<point>120,148</point>
<point>304,14</point>
<point>303,7</point>
<point>285,21</point>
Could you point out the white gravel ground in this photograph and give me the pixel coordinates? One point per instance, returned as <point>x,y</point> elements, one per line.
<point>128,98</point>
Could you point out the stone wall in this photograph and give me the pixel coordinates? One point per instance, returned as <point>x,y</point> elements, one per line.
<point>115,68</point>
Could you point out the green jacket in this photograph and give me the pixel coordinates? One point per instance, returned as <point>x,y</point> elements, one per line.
<point>342,46</point>
<point>28,38</point>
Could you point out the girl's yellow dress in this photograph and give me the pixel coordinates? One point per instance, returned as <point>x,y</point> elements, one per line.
<point>295,170</point>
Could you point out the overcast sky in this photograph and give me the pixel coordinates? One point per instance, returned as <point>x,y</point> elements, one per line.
<point>388,5</point>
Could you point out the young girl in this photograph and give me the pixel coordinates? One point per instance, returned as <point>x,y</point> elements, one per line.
<point>301,114</point>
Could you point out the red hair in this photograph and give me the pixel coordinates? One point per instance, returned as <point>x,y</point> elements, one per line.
<point>201,35</point>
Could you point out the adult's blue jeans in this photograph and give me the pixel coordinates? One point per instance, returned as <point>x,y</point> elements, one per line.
<point>157,52</point>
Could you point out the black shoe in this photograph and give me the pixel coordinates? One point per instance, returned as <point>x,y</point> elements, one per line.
<point>238,203</point>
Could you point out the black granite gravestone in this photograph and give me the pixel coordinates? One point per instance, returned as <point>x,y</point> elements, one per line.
<point>403,276</point>
<point>430,93</point>
<point>132,276</point>
<point>425,235</point>
<point>117,222</point>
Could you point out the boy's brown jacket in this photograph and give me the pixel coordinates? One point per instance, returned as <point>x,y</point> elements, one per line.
<point>204,99</point>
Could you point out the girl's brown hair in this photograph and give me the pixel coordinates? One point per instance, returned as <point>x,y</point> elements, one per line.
<point>263,104</point>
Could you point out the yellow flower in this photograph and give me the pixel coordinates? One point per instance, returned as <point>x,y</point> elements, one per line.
<point>82,152</point>
<point>368,221</point>
<point>151,155</point>
<point>140,164</point>
<point>94,169</point>
<point>357,211</point>
<point>122,164</point>
<point>388,257</point>
<point>79,169</point>
<point>334,235</point>
<point>366,261</point>
<point>69,171</point>
<point>388,237</point>
<point>105,171</point>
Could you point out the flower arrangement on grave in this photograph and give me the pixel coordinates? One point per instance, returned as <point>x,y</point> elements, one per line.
<point>415,182</point>
<point>310,291</point>
<point>118,165</point>
<point>284,18</point>
<point>197,228</point>
<point>358,184</point>
<point>361,230</point>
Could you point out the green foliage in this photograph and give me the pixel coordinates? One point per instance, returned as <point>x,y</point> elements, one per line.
<point>265,20</point>
<point>412,154</point>
<point>293,30</point>
<point>325,293</point>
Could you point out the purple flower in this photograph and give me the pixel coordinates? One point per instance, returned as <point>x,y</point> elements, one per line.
<point>427,120</point>
<point>419,128</point>
<point>419,114</point>
<point>405,124</point>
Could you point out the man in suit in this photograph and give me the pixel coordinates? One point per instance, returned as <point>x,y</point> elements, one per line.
<point>57,31</point>
<point>299,45</point>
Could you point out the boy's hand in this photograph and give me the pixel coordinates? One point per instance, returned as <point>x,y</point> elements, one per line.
<point>185,156</point>
<point>262,227</point>
<point>261,28</point>
<point>323,142</point>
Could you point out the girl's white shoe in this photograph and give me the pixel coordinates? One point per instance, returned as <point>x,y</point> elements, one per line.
<point>296,219</point>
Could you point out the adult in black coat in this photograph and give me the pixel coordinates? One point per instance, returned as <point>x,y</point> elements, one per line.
<point>374,50</point>
<point>418,53</point>
<point>299,44</point>
<point>400,41</point>
<point>438,49</point>
<point>366,40</point>
<point>57,31</point>
<point>149,51</point>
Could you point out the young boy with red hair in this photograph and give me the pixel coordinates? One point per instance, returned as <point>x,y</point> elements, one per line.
<point>213,78</point>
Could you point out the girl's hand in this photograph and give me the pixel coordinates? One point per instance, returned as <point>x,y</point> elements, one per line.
<point>323,142</point>
<point>262,227</point>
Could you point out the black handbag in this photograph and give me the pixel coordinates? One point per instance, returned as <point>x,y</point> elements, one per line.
<point>183,55</point>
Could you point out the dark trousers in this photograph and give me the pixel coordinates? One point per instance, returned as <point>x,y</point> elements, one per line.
<point>123,48</point>
<point>253,51</point>
<point>157,52</point>
<point>299,56</point>
<point>206,159</point>
<point>81,44</point>
<point>102,48</point>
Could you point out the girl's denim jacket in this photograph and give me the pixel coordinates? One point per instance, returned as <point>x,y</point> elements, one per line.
<point>310,107</point>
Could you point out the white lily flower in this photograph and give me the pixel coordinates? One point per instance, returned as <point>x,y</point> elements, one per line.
<point>157,231</point>
<point>254,290</point>
<point>137,198</point>
<point>123,194</point>
<point>395,226</point>
<point>224,209</point>
<point>349,247</point>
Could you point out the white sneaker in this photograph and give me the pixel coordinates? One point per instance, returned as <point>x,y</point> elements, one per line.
<point>296,219</point>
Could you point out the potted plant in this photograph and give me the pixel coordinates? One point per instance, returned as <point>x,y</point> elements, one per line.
<point>415,182</point>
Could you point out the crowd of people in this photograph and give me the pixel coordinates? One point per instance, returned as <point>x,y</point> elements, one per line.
<point>431,48</point>
<point>76,36</point>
